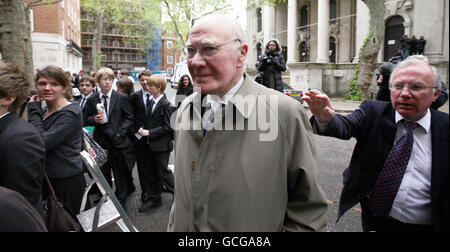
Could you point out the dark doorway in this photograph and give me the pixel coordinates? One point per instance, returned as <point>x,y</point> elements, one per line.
<point>394,32</point>
<point>258,50</point>
<point>332,52</point>
<point>304,52</point>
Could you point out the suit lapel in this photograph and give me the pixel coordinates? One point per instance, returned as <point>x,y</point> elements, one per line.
<point>141,99</point>
<point>113,101</point>
<point>439,149</point>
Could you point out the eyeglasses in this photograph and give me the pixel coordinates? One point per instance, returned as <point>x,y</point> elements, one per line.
<point>205,50</point>
<point>416,87</point>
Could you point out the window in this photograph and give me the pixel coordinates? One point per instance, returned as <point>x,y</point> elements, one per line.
<point>128,56</point>
<point>115,31</point>
<point>116,57</point>
<point>89,42</point>
<point>169,44</point>
<point>62,28</point>
<point>138,57</point>
<point>169,59</point>
<point>333,12</point>
<point>116,43</point>
<point>304,20</point>
<point>169,71</point>
<point>259,17</point>
<point>103,43</point>
<point>89,16</point>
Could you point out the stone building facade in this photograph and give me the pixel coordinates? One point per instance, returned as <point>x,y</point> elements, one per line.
<point>321,39</point>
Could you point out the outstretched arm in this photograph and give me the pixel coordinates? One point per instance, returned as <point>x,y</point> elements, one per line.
<point>319,105</point>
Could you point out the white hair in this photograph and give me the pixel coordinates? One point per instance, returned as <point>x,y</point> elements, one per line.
<point>419,60</point>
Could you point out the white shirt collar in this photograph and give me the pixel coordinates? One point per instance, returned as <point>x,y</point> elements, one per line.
<point>87,96</point>
<point>4,114</point>
<point>425,122</point>
<point>157,99</point>
<point>215,101</point>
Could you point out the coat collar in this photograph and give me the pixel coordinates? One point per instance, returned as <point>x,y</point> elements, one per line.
<point>241,100</point>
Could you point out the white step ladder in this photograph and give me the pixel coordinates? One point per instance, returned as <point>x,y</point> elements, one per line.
<point>108,210</point>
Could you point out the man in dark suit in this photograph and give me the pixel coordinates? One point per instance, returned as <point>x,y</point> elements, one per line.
<point>112,133</point>
<point>139,102</point>
<point>158,132</point>
<point>399,168</point>
<point>22,150</point>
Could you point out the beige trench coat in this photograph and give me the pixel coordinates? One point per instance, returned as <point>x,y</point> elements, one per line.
<point>249,178</point>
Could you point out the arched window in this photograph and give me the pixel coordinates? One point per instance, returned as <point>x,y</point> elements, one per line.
<point>393,33</point>
<point>258,51</point>
<point>304,52</point>
<point>304,19</point>
<point>332,52</point>
<point>259,17</point>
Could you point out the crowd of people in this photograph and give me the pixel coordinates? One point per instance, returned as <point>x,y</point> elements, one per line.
<point>412,46</point>
<point>241,178</point>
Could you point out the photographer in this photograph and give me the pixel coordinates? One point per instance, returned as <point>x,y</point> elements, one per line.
<point>272,63</point>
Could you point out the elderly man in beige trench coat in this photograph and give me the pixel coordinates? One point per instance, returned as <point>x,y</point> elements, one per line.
<point>249,163</point>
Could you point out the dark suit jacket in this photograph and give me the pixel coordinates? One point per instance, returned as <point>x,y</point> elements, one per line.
<point>114,135</point>
<point>373,125</point>
<point>22,159</point>
<point>158,124</point>
<point>138,106</point>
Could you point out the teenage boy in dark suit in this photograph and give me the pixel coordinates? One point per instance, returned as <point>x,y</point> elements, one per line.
<point>159,139</point>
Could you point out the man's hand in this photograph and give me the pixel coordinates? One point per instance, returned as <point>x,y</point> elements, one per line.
<point>143,132</point>
<point>98,119</point>
<point>319,105</point>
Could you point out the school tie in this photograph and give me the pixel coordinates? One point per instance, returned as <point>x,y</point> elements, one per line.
<point>82,102</point>
<point>150,106</point>
<point>105,103</point>
<point>147,102</point>
<point>390,178</point>
<point>209,112</point>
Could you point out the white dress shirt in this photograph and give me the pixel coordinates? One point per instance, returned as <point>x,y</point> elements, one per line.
<point>156,101</point>
<point>144,97</point>
<point>413,201</point>
<point>108,99</point>
<point>84,99</point>
<point>215,102</point>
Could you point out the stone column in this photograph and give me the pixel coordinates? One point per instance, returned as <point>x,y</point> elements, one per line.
<point>268,23</point>
<point>292,31</point>
<point>323,36</point>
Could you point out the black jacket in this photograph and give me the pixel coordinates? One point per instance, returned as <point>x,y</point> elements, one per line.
<point>373,126</point>
<point>22,159</point>
<point>62,135</point>
<point>158,123</point>
<point>271,64</point>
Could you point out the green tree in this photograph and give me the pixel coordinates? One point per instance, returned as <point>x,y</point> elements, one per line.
<point>15,37</point>
<point>184,13</point>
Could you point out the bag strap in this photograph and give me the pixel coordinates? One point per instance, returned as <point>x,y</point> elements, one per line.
<point>49,186</point>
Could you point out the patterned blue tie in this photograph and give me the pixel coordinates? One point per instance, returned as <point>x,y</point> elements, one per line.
<point>390,178</point>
